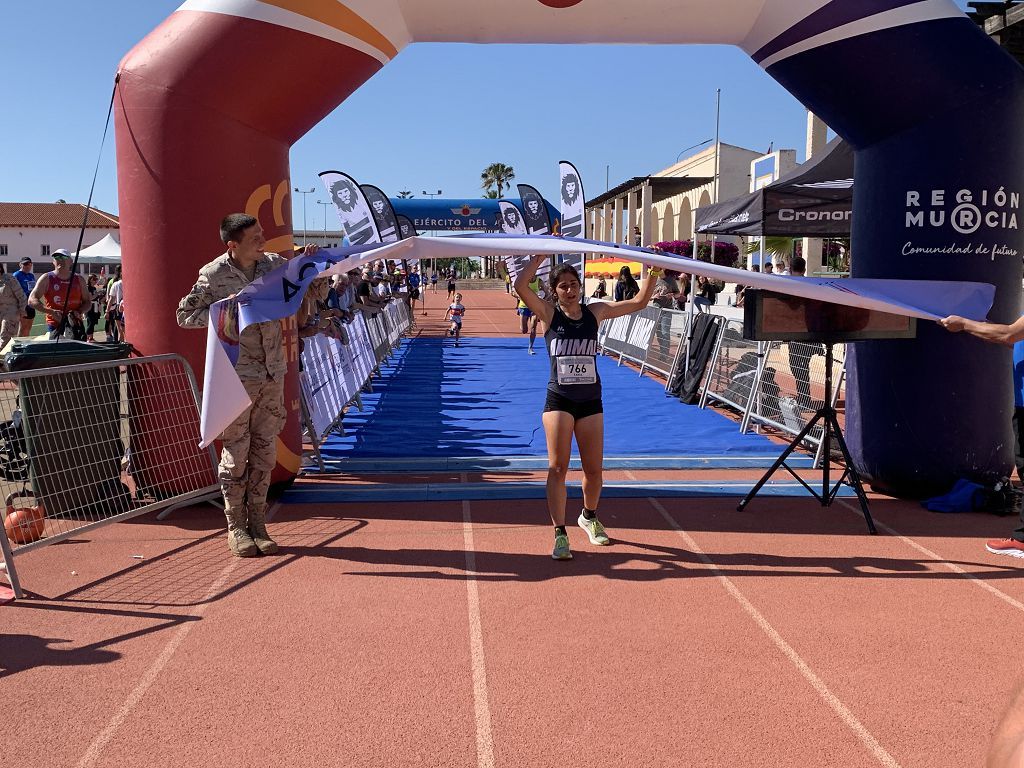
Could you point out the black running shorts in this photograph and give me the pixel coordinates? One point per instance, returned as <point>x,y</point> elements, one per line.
<point>578,410</point>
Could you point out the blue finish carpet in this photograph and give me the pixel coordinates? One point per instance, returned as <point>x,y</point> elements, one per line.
<point>438,407</point>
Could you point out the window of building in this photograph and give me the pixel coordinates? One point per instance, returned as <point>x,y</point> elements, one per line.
<point>3,249</point>
<point>44,250</point>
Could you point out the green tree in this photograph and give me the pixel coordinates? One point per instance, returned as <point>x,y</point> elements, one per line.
<point>775,246</point>
<point>496,177</point>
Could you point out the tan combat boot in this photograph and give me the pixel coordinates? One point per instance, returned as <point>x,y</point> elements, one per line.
<point>239,541</point>
<point>258,529</point>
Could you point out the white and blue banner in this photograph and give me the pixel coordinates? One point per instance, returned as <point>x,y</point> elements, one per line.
<point>512,223</point>
<point>327,381</point>
<point>535,211</point>
<point>353,208</point>
<point>278,294</point>
<point>572,200</point>
<point>382,212</point>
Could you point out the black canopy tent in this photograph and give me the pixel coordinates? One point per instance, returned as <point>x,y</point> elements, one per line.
<point>813,200</point>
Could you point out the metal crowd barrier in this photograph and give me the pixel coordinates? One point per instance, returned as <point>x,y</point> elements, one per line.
<point>791,387</point>
<point>334,373</point>
<point>733,369</point>
<point>666,344</point>
<point>778,385</point>
<point>83,446</point>
<point>629,336</point>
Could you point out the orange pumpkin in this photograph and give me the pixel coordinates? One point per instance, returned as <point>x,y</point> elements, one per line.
<point>24,524</point>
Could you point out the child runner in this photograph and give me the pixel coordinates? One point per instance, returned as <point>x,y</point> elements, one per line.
<point>527,319</point>
<point>455,313</point>
<point>573,405</point>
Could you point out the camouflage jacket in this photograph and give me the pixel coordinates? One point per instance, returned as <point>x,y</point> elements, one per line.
<point>261,350</point>
<point>12,298</point>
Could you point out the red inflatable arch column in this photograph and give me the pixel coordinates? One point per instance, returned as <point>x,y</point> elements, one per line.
<point>208,106</point>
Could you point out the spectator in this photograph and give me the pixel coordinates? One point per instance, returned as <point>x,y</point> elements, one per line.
<point>414,287</point>
<point>602,289</point>
<point>367,299</point>
<point>666,293</point>
<point>96,299</point>
<point>61,295</point>
<point>626,286</point>
<point>250,441</point>
<point>109,325</point>
<point>1008,335</point>
<point>637,237</point>
<point>115,309</point>
<point>708,289</point>
<point>451,285</point>
<point>433,281</point>
<point>12,307</point>
<point>27,280</point>
<point>314,316</point>
<point>768,268</point>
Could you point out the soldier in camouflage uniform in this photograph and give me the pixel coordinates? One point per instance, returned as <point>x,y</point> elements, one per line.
<point>12,306</point>
<point>250,442</point>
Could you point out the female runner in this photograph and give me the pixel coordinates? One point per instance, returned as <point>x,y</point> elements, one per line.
<point>573,405</point>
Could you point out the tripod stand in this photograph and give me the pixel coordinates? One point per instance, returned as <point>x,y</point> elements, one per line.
<point>830,428</point>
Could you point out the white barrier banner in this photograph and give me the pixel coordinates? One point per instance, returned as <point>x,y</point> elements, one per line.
<point>277,294</point>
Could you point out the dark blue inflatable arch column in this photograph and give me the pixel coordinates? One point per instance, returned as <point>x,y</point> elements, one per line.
<point>935,111</point>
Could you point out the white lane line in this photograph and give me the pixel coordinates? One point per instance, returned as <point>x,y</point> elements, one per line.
<point>851,721</point>
<point>92,754</point>
<point>940,560</point>
<point>481,708</point>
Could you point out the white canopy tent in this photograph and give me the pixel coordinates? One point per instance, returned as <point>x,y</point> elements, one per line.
<point>106,251</point>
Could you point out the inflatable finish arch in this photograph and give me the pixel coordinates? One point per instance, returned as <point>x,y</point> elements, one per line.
<point>210,102</point>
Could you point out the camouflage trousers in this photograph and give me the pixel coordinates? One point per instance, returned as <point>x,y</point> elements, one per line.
<point>250,451</point>
<point>10,322</point>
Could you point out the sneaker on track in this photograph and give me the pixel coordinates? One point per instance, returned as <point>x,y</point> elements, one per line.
<point>1010,547</point>
<point>530,350</point>
<point>595,531</point>
<point>561,551</point>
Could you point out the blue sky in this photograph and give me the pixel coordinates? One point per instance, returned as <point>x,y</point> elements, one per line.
<point>432,119</point>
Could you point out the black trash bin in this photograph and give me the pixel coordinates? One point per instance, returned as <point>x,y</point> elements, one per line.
<point>71,424</point>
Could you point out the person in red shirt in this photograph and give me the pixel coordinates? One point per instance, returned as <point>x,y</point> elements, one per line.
<point>52,296</point>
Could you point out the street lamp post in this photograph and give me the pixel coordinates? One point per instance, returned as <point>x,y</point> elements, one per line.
<point>694,146</point>
<point>325,205</point>
<point>304,192</point>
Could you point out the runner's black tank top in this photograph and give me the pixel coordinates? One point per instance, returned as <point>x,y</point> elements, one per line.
<point>572,348</point>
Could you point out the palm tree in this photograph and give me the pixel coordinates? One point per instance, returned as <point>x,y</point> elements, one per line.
<point>774,246</point>
<point>405,193</point>
<point>497,176</point>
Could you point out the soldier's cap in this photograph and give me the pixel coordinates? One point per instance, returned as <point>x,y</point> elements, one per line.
<point>60,253</point>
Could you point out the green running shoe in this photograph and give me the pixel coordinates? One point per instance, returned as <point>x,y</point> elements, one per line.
<point>594,530</point>
<point>562,551</point>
